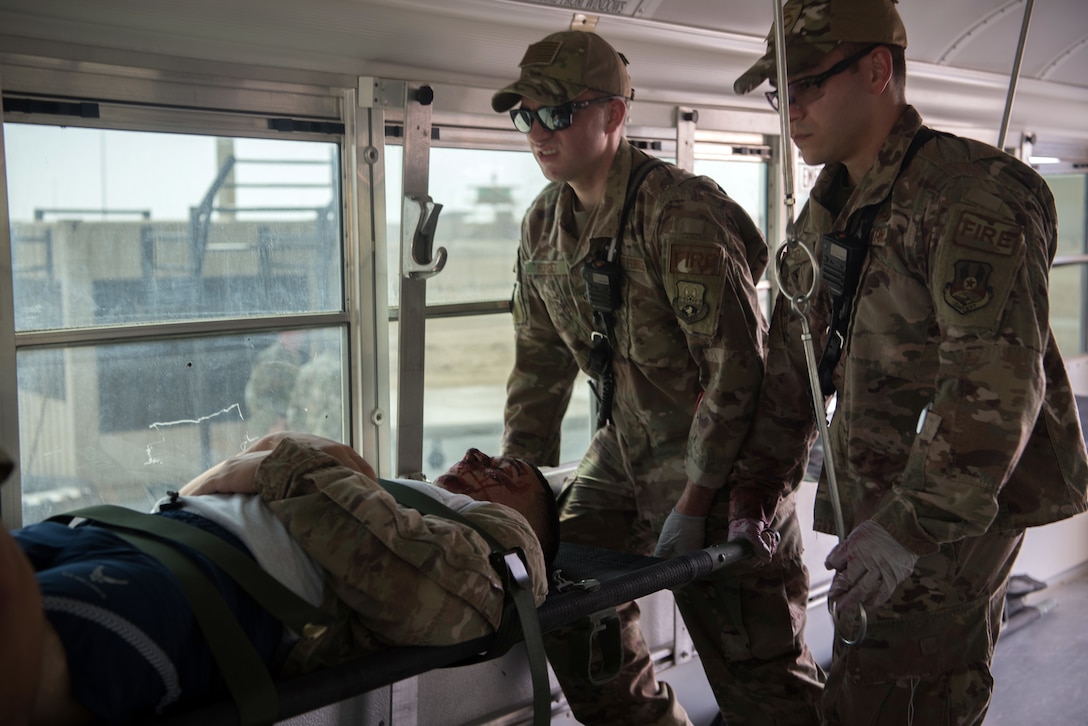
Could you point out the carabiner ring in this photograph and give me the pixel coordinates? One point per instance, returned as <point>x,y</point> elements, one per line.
<point>798,301</point>
<point>863,622</point>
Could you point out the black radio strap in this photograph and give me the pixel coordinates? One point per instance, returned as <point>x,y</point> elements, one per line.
<point>843,285</point>
<point>600,354</point>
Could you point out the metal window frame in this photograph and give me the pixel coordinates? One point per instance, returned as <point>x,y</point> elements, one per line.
<point>132,98</point>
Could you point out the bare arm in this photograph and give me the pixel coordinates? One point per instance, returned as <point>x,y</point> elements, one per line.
<point>35,687</point>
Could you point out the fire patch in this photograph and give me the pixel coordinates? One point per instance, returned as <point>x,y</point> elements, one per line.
<point>690,304</point>
<point>970,289</point>
<point>987,233</point>
<point>688,259</point>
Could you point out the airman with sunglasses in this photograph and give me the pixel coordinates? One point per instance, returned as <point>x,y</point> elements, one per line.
<point>954,426</point>
<point>669,296</point>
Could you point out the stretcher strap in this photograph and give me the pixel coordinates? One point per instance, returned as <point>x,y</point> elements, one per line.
<point>613,570</point>
<point>305,619</point>
<point>518,587</point>
<point>247,678</point>
<point>246,675</point>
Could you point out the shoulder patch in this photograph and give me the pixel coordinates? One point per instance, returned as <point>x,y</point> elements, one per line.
<point>979,229</point>
<point>970,288</point>
<point>690,303</point>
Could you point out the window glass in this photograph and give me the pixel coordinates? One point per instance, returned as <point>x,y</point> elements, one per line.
<point>484,194</point>
<point>744,181</point>
<point>1069,284</point>
<point>468,360</point>
<point>123,423</point>
<point>116,227</point>
<point>111,228</point>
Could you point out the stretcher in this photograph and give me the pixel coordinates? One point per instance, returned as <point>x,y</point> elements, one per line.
<point>589,582</point>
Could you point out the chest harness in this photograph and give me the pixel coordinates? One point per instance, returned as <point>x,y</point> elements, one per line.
<point>604,283</point>
<point>842,257</point>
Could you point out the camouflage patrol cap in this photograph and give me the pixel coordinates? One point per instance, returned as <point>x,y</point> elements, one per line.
<point>564,65</point>
<point>815,27</point>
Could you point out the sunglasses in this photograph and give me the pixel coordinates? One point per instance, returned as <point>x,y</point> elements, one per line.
<point>552,118</point>
<point>807,90</point>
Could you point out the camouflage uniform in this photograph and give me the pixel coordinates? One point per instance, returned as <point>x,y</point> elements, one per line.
<point>955,425</point>
<point>317,402</point>
<point>687,361</point>
<point>269,387</point>
<point>392,576</point>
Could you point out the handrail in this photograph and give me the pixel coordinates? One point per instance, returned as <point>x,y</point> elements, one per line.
<point>1066,260</point>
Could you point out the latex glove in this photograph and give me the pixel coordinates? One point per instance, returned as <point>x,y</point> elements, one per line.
<point>764,540</point>
<point>869,564</point>
<point>681,533</point>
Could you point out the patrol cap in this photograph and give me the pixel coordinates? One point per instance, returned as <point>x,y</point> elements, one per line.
<point>815,27</point>
<point>564,65</point>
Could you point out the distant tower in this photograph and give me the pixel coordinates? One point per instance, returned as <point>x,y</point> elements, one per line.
<point>501,200</point>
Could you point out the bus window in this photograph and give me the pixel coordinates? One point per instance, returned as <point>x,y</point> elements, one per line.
<point>1069,283</point>
<point>744,181</point>
<point>470,349</point>
<point>118,235</point>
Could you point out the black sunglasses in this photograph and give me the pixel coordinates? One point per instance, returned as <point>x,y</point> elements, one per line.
<point>553,118</point>
<point>807,90</point>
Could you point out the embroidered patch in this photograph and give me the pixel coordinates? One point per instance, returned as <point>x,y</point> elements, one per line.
<point>989,234</point>
<point>970,288</point>
<point>690,304</point>
<point>695,260</point>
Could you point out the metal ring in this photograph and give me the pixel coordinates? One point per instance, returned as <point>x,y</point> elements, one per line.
<point>863,620</point>
<point>796,301</point>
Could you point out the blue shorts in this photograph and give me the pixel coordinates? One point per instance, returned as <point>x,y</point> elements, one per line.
<point>133,645</point>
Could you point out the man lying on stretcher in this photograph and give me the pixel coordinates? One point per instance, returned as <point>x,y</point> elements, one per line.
<point>119,643</point>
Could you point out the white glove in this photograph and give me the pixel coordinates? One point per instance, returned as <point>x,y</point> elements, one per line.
<point>869,564</point>
<point>681,533</point>
<point>764,541</point>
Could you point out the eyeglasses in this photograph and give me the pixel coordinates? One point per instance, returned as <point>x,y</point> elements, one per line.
<point>553,118</point>
<point>807,90</point>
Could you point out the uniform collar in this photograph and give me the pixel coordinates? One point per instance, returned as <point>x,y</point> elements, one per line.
<point>877,183</point>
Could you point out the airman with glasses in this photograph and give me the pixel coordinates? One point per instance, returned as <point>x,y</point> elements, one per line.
<point>676,359</point>
<point>954,424</point>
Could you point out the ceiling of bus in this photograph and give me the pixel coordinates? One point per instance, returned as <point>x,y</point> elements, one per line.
<point>681,51</point>
<point>980,35</point>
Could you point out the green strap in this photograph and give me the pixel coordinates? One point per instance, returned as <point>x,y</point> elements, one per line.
<point>519,588</point>
<point>247,677</point>
<point>299,615</point>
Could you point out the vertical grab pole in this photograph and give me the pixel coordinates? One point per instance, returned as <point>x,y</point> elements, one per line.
<point>799,303</point>
<point>1015,77</point>
<point>786,147</point>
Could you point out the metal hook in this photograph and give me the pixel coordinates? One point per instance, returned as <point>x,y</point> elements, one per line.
<point>416,261</point>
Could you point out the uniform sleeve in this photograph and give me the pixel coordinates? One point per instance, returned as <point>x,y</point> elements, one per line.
<point>540,385</point>
<point>773,459</point>
<point>991,247</point>
<point>411,579</point>
<point>711,258</point>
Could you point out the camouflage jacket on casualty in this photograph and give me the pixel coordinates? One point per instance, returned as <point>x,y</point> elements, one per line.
<point>688,322</point>
<point>392,575</point>
<point>951,317</point>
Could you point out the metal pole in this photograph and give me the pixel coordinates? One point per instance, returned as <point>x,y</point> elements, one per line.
<point>799,303</point>
<point>1015,75</point>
